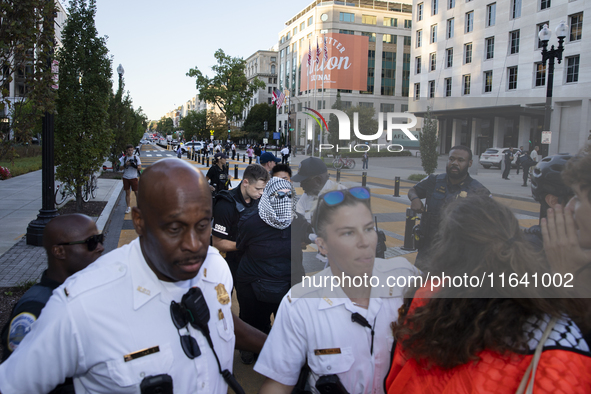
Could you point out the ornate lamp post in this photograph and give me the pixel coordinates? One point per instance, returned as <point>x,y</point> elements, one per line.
<point>550,55</point>
<point>120,71</point>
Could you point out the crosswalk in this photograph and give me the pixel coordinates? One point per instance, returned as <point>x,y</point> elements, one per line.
<point>158,153</point>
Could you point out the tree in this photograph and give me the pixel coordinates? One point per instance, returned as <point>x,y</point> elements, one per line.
<point>333,124</point>
<point>165,126</point>
<point>229,89</point>
<point>428,144</point>
<point>195,124</point>
<point>27,31</point>
<point>367,123</point>
<point>82,136</point>
<point>254,125</point>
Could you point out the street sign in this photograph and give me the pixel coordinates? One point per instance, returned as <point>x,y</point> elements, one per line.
<point>265,140</point>
<point>276,135</point>
<point>546,137</point>
<point>211,137</point>
<point>211,133</point>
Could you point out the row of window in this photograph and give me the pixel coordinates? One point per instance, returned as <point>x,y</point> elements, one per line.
<point>288,36</point>
<point>515,9</point>
<point>572,75</point>
<point>575,25</point>
<point>373,20</point>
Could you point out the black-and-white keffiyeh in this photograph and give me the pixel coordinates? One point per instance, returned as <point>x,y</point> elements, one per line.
<point>276,211</point>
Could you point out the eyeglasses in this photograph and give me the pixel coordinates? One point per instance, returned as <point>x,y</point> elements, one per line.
<point>279,194</point>
<point>181,318</point>
<point>336,197</point>
<point>91,242</point>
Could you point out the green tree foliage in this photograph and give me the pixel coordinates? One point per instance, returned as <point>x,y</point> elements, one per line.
<point>229,88</point>
<point>195,125</point>
<point>333,124</point>
<point>254,125</point>
<point>165,126</point>
<point>26,43</point>
<point>367,124</point>
<point>429,143</point>
<point>82,136</point>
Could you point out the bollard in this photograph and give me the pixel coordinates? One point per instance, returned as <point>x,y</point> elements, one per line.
<point>237,156</point>
<point>188,154</point>
<point>411,219</point>
<point>244,157</point>
<point>208,162</point>
<point>338,175</point>
<point>199,159</point>
<point>364,179</point>
<point>235,171</point>
<point>249,160</point>
<point>397,186</point>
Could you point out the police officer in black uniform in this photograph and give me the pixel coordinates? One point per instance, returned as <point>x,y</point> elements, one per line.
<point>230,206</point>
<point>71,242</point>
<point>438,190</point>
<point>217,175</point>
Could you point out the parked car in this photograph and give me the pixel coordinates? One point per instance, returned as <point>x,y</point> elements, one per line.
<point>494,157</point>
<point>197,145</point>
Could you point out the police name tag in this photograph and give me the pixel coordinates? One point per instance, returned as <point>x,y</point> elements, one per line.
<point>323,352</point>
<point>141,353</point>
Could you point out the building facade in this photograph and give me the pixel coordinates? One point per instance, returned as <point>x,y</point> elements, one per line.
<point>387,25</point>
<point>262,65</point>
<point>477,65</point>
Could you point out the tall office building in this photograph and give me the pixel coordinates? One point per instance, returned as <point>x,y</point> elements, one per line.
<point>261,65</point>
<point>478,65</point>
<point>379,50</point>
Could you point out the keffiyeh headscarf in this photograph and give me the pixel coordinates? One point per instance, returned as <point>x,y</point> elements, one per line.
<point>276,211</point>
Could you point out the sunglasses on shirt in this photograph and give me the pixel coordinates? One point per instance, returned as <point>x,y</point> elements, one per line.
<point>336,197</point>
<point>180,318</point>
<point>91,242</point>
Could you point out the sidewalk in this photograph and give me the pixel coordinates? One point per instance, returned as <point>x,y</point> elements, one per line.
<point>21,202</point>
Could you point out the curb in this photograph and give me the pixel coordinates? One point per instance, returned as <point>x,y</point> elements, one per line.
<point>108,210</point>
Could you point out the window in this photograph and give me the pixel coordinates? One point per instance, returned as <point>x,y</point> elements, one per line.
<point>282,39</point>
<point>544,4</point>
<point>469,21</point>
<point>301,42</point>
<point>449,57</point>
<point>433,35</point>
<point>365,105</point>
<point>488,81</point>
<point>433,61</point>
<point>271,79</point>
<point>288,36</point>
<point>515,9</point>
<point>540,70</point>
<point>273,70</point>
<point>269,100</point>
<point>451,4</point>
<point>572,69</point>
<point>388,73</point>
<point>431,89</point>
<point>384,107</point>
<point>389,38</point>
<point>282,53</point>
<point>468,53</point>
<point>434,7</point>
<point>369,19</point>
<point>392,22</point>
<point>466,82</point>
<point>351,32</point>
<point>576,26</point>
<point>449,30</point>
<point>273,58</point>
<point>347,17</point>
<point>417,91</point>
<point>295,30</point>
<point>417,65</point>
<point>302,26</point>
<point>539,28</point>
<point>512,78</point>
<point>489,43</point>
<point>270,90</point>
<point>419,12</point>
<point>372,36</point>
<point>294,47</point>
<point>407,40</point>
<point>310,20</point>
<point>419,38</point>
<point>491,13</point>
<point>447,87</point>
<point>287,50</point>
<point>514,42</point>
<point>299,107</point>
<point>407,23</point>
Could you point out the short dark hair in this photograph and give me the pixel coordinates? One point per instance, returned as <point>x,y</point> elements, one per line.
<point>281,168</point>
<point>256,172</point>
<point>129,146</point>
<point>464,148</point>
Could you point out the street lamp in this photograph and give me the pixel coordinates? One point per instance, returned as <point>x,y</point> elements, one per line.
<point>551,55</point>
<point>120,71</point>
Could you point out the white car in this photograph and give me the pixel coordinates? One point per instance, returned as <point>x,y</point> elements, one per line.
<point>197,145</point>
<point>494,157</point>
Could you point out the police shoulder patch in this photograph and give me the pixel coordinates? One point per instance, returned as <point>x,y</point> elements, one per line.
<point>20,326</point>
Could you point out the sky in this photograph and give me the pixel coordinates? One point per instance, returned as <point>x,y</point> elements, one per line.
<point>157,42</point>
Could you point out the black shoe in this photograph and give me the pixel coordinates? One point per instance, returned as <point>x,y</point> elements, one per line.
<point>524,185</point>
<point>246,357</point>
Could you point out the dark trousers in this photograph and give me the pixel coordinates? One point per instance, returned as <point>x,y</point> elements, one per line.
<point>284,159</point>
<point>525,174</point>
<point>233,154</point>
<point>253,311</point>
<point>507,169</point>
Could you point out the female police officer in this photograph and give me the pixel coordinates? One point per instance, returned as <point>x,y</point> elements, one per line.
<point>342,332</point>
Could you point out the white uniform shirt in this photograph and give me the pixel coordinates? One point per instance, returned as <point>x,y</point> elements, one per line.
<point>118,307</point>
<point>307,204</point>
<point>318,326</point>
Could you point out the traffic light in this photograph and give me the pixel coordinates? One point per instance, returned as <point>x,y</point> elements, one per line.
<point>265,125</point>
<point>229,131</point>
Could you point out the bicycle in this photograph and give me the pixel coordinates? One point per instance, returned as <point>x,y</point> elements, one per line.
<point>64,191</point>
<point>92,185</point>
<point>339,163</point>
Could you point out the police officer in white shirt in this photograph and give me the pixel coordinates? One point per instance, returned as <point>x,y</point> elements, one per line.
<point>344,334</point>
<point>122,323</point>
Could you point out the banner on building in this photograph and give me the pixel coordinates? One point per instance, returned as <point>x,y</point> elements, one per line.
<point>346,67</point>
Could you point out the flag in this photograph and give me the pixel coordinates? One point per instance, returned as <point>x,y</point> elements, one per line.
<point>274,99</point>
<point>309,54</point>
<point>325,52</point>
<point>280,98</point>
<point>317,52</point>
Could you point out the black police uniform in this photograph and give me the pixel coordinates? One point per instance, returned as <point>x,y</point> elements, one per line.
<point>229,207</point>
<point>24,313</point>
<point>218,178</point>
<point>439,191</point>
